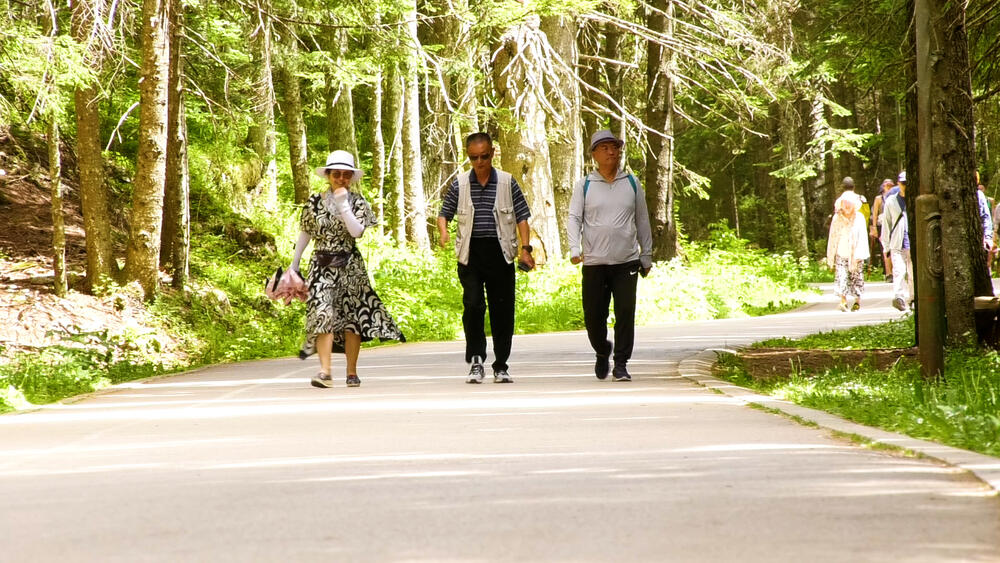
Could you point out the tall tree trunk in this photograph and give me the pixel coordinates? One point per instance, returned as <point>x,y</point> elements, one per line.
<point>394,119</point>
<point>466,87</point>
<point>856,166</point>
<point>826,183</point>
<point>763,183</point>
<point>261,133</point>
<point>93,193</point>
<point>438,146</point>
<point>143,251</point>
<point>340,104</point>
<point>911,130</point>
<point>413,181</point>
<point>787,123</point>
<point>58,226</point>
<point>659,181</point>
<point>176,234</point>
<point>945,92</point>
<point>180,256</point>
<point>566,148</point>
<point>612,52</point>
<point>298,149</point>
<point>524,148</point>
<point>795,197</point>
<point>416,201</point>
<point>378,150</point>
<point>589,40</point>
<point>839,166</point>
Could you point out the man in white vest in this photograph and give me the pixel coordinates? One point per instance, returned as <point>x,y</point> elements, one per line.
<point>608,230</point>
<point>491,212</point>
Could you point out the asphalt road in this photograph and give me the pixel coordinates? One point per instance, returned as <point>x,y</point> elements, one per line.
<point>248,462</point>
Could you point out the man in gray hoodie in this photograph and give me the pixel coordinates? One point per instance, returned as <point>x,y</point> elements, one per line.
<point>609,232</point>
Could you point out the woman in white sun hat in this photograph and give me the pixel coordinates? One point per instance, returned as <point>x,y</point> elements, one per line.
<point>342,309</point>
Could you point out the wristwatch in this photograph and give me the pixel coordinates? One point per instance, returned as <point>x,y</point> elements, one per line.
<point>527,247</point>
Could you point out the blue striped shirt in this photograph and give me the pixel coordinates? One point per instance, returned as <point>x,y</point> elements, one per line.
<point>483,198</point>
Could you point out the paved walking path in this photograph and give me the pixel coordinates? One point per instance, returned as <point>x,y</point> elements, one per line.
<point>249,463</point>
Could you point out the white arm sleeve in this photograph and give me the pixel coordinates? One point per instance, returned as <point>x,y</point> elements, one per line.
<point>300,247</point>
<point>350,220</point>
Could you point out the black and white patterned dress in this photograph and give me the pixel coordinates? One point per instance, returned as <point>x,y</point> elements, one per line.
<point>341,298</point>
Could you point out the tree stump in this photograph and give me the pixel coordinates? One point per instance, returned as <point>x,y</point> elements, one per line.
<point>987,323</point>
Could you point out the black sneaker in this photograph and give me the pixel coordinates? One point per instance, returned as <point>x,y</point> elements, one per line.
<point>322,380</point>
<point>899,304</point>
<point>353,381</point>
<point>601,367</point>
<point>476,372</point>
<point>620,373</point>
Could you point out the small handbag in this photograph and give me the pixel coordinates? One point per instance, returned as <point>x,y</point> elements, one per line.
<point>286,286</point>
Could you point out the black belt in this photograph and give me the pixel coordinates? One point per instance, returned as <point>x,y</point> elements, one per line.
<point>324,259</point>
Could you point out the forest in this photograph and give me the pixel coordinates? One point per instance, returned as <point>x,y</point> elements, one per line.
<point>743,114</point>
<point>154,156</point>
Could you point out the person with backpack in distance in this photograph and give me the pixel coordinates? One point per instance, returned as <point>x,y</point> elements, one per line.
<point>876,227</point>
<point>896,238</point>
<point>609,232</point>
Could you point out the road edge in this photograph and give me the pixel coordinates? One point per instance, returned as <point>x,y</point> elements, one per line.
<point>698,369</point>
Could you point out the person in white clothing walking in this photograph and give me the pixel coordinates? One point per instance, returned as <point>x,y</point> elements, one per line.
<point>847,247</point>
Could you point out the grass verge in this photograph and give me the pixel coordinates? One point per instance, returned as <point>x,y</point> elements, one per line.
<point>961,409</point>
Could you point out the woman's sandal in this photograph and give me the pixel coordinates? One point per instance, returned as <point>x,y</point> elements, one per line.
<point>856,306</point>
<point>843,307</point>
<point>322,380</point>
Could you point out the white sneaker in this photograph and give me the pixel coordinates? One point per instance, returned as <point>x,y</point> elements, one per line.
<point>501,376</point>
<point>476,372</point>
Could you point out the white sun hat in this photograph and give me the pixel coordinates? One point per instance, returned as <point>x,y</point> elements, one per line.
<point>340,160</point>
<point>604,135</point>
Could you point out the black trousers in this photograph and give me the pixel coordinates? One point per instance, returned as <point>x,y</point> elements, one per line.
<point>487,278</point>
<point>600,284</point>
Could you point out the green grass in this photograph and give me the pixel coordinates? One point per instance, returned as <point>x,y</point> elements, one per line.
<point>960,410</point>
<point>893,334</point>
<point>83,363</point>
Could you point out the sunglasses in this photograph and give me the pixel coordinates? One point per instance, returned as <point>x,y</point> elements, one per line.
<point>475,157</point>
<point>335,174</point>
